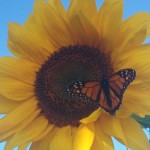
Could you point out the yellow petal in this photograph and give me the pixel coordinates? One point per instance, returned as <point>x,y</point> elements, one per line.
<point>24,43</point>
<point>63,18</point>
<point>137,59</point>
<point>62,139</point>
<point>43,134</point>
<point>135,136</point>
<point>19,126</point>
<point>88,7</point>
<point>21,70</point>
<point>132,34</point>
<point>14,89</point>
<point>111,125</point>
<point>137,102</point>
<point>148,29</point>
<point>16,79</point>
<point>123,112</point>
<point>95,145</point>
<point>83,28</point>
<point>126,130</point>
<point>52,23</point>
<point>79,32</point>
<point>17,115</point>
<point>102,141</point>
<point>58,6</point>
<point>84,137</point>
<point>92,118</point>
<point>40,35</point>
<point>108,22</point>
<point>43,144</point>
<point>6,105</point>
<point>27,134</point>
<point>23,146</point>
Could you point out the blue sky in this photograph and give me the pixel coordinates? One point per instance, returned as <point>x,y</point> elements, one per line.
<point>18,11</point>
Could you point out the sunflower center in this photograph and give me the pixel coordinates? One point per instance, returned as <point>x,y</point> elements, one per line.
<point>65,67</point>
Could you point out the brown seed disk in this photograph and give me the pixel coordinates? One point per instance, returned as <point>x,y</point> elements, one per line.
<point>63,68</point>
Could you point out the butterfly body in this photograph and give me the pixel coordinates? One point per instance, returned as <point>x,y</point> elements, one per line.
<point>107,93</point>
<point>105,87</point>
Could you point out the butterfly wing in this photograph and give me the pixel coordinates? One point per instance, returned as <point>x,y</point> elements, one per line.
<point>86,90</point>
<point>119,81</point>
<point>117,84</point>
<point>91,89</point>
<point>108,93</point>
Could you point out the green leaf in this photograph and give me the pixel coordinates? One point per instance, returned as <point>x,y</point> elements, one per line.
<point>145,122</point>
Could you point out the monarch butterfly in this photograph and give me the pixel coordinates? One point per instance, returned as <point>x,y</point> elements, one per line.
<point>107,93</point>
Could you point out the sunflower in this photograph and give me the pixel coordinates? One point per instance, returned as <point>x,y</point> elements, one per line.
<point>56,51</point>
